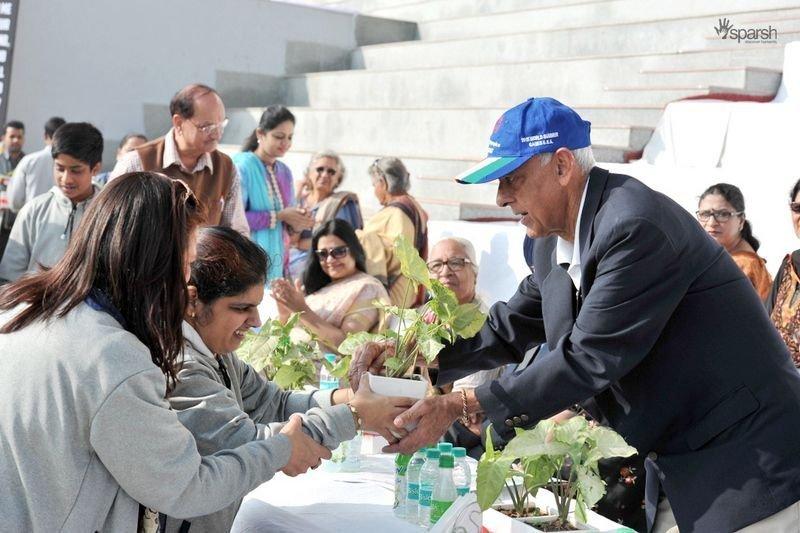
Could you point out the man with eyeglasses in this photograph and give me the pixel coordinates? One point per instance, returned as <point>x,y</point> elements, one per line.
<point>649,326</point>
<point>188,152</point>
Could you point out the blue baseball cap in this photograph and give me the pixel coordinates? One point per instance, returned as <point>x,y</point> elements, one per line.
<point>536,126</point>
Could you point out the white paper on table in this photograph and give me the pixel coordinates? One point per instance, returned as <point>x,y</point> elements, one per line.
<point>464,516</point>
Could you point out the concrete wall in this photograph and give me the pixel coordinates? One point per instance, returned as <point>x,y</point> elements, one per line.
<point>103,60</point>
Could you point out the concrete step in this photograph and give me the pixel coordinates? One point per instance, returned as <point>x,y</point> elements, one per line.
<point>454,134</point>
<point>553,43</point>
<point>488,86</point>
<point>430,10</point>
<point>757,80</point>
<point>579,15</point>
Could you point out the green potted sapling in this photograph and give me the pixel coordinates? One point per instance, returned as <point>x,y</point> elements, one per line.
<point>290,363</point>
<point>419,333</point>
<point>535,458</point>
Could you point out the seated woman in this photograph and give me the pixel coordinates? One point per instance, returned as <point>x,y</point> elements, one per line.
<point>721,213</point>
<point>90,348</point>
<point>401,215</point>
<point>225,402</point>
<point>324,174</point>
<point>338,292</point>
<point>783,302</point>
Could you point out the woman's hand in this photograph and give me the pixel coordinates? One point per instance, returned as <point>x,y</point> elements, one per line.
<point>378,412</point>
<point>291,297</point>
<point>297,217</point>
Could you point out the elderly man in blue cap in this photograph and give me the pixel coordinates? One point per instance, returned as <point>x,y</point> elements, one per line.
<point>649,325</point>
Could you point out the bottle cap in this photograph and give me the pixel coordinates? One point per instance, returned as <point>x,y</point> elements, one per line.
<point>446,461</point>
<point>432,453</point>
<point>331,357</point>
<point>445,447</point>
<point>458,452</point>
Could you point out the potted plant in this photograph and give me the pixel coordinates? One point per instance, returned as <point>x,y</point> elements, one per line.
<point>419,332</point>
<point>535,459</point>
<point>289,362</point>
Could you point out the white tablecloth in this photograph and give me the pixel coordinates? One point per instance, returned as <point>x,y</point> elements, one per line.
<point>326,502</point>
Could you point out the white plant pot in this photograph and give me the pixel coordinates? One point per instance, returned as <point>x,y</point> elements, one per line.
<point>410,388</point>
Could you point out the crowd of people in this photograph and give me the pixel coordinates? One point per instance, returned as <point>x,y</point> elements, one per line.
<point>161,265</point>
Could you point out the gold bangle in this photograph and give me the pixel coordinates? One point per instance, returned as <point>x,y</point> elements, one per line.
<point>464,418</point>
<point>356,419</point>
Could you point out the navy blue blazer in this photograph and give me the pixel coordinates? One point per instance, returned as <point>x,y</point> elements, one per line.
<point>667,343</point>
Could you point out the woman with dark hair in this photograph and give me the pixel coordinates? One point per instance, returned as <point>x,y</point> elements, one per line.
<point>90,349</point>
<point>721,213</point>
<point>268,189</point>
<point>783,303</point>
<point>339,294</point>
<point>223,401</point>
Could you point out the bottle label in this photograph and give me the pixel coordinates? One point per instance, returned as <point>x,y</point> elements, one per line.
<point>425,493</point>
<point>462,490</point>
<point>438,508</point>
<point>413,491</point>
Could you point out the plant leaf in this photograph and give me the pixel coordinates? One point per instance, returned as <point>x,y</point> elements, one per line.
<point>286,376</point>
<point>607,443</point>
<point>589,488</point>
<point>394,363</point>
<point>354,340</point>
<point>468,320</point>
<point>491,480</point>
<point>411,264</point>
<point>430,348</point>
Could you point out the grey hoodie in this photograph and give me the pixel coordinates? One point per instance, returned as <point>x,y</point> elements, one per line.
<point>86,434</point>
<point>220,417</point>
<point>41,232</point>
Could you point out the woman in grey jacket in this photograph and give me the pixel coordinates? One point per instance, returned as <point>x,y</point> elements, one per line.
<point>86,435</point>
<point>224,402</point>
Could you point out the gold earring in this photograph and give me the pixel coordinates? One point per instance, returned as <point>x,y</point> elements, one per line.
<point>192,314</point>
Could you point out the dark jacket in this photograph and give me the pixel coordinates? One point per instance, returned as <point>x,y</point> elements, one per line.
<point>667,343</point>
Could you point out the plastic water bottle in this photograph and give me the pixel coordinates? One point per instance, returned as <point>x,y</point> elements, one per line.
<point>444,493</point>
<point>400,470</point>
<point>326,381</point>
<point>427,479</point>
<point>462,475</point>
<point>412,482</point>
<point>445,447</point>
<point>352,454</point>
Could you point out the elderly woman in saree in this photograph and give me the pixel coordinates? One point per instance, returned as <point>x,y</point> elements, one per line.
<point>323,201</point>
<point>401,215</point>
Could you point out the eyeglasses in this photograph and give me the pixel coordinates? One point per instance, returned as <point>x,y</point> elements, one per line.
<point>456,264</point>
<point>721,216</point>
<point>336,253</point>
<point>327,170</point>
<point>794,207</point>
<point>211,129</point>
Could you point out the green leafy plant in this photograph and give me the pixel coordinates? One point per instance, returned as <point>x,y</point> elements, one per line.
<point>534,459</point>
<point>290,363</point>
<point>423,331</point>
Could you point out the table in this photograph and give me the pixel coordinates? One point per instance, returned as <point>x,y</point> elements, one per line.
<point>326,501</point>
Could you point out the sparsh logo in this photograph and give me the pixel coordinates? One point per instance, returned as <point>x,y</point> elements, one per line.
<point>726,30</point>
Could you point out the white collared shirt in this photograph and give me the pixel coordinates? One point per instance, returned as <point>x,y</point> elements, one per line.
<point>570,253</point>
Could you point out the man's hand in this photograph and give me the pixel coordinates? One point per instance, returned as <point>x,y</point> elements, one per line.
<point>433,416</point>
<point>306,452</point>
<point>378,412</point>
<point>369,358</point>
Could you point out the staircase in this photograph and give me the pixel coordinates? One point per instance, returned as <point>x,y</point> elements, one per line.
<point>433,101</point>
